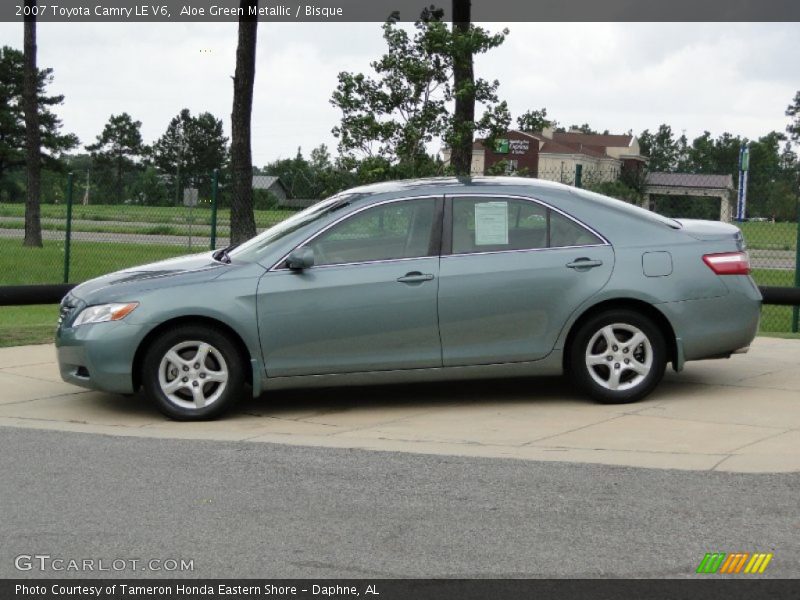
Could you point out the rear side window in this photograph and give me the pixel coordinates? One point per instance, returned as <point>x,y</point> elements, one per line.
<point>499,224</point>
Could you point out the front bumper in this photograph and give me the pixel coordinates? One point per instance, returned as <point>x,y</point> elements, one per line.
<point>99,356</point>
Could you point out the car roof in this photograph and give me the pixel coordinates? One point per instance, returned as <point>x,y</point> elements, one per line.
<point>442,183</point>
<point>566,197</point>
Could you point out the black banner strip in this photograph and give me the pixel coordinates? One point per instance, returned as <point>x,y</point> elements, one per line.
<point>409,10</point>
<point>711,587</point>
<point>782,296</point>
<point>22,295</point>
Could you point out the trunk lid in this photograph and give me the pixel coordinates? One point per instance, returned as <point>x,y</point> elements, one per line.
<point>712,231</point>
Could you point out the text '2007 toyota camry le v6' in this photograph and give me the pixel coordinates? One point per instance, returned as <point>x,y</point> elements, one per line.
<point>417,281</point>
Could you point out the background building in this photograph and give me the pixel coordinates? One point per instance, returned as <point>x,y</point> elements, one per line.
<point>555,155</point>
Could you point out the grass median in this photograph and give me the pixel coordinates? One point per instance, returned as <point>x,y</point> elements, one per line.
<point>23,325</point>
<point>20,265</point>
<point>769,236</point>
<point>20,325</point>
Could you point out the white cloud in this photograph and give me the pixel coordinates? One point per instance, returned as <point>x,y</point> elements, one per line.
<point>616,76</point>
<point>620,76</point>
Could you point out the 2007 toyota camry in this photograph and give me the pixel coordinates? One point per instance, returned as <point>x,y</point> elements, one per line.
<point>417,281</point>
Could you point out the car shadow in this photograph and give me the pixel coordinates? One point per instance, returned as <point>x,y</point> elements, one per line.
<point>541,390</point>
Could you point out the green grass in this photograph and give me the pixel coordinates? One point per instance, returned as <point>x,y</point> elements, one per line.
<point>769,236</point>
<point>775,318</point>
<point>22,325</point>
<point>773,276</point>
<point>27,266</point>
<point>784,335</point>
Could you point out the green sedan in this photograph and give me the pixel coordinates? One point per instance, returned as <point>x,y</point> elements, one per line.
<point>419,281</point>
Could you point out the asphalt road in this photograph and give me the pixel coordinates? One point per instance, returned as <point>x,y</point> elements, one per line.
<point>200,243</point>
<point>262,510</point>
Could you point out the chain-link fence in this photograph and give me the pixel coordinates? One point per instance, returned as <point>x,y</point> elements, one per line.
<point>159,219</point>
<point>770,225</point>
<point>88,237</point>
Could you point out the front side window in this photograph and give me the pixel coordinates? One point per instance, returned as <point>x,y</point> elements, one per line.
<point>499,224</point>
<point>389,231</point>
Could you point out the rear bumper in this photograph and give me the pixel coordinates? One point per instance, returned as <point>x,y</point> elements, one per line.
<point>716,327</point>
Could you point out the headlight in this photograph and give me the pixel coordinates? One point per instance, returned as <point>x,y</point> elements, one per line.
<point>104,312</point>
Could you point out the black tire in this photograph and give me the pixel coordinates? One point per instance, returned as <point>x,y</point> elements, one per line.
<point>632,380</point>
<point>222,357</point>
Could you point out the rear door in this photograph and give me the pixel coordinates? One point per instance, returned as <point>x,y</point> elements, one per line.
<point>512,272</point>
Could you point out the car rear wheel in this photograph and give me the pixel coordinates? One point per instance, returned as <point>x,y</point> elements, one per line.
<point>618,356</point>
<point>193,373</point>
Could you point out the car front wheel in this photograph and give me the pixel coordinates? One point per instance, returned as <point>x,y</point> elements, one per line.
<point>618,356</point>
<point>193,372</point>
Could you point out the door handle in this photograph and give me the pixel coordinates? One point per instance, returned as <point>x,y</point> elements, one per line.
<point>584,263</point>
<point>415,277</point>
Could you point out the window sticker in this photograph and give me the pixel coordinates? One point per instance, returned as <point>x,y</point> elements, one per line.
<point>491,223</point>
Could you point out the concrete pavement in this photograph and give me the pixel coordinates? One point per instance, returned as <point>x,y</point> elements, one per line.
<point>738,415</point>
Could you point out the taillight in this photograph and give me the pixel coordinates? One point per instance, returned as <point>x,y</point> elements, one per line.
<point>728,263</point>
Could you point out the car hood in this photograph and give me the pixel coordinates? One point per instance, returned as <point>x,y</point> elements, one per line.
<point>174,271</point>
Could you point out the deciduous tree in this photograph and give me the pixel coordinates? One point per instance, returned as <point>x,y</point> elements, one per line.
<point>660,147</point>
<point>192,146</point>
<point>793,111</point>
<point>117,147</point>
<point>535,121</point>
<point>389,119</point>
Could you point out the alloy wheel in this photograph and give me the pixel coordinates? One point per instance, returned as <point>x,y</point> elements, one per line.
<point>193,374</point>
<point>619,356</point>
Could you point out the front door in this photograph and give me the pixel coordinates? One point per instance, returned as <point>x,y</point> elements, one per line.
<point>367,304</point>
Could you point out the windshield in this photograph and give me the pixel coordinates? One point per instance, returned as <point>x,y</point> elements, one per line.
<point>250,249</point>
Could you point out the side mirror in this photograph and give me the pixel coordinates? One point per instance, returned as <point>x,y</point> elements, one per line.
<point>300,258</point>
